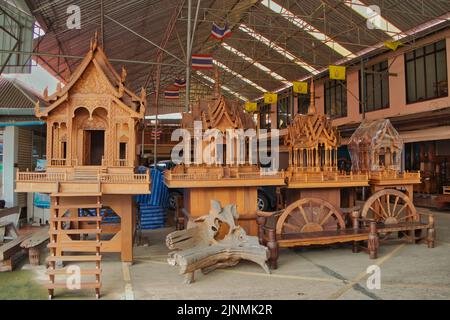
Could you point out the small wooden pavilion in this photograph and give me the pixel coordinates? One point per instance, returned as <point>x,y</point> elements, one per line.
<point>376,148</point>
<point>91,156</point>
<point>232,174</point>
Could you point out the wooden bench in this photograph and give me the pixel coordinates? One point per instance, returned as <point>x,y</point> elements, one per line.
<point>34,243</point>
<point>394,213</point>
<point>312,221</point>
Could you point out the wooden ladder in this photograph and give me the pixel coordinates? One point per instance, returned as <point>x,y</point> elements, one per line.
<point>64,240</point>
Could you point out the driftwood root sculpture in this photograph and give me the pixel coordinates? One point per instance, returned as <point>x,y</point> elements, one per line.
<point>214,241</point>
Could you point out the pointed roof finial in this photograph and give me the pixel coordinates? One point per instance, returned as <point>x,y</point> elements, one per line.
<point>94,45</point>
<point>312,103</point>
<point>143,94</point>
<point>123,75</point>
<point>45,94</point>
<point>217,83</point>
<point>58,87</point>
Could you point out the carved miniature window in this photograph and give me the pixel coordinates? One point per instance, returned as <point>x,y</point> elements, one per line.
<point>122,150</point>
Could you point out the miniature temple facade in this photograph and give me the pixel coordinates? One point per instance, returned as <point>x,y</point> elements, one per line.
<point>376,148</point>
<point>313,144</point>
<point>233,174</point>
<point>91,153</point>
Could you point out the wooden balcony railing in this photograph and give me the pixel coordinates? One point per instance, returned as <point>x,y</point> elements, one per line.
<point>67,177</point>
<point>41,176</point>
<point>124,178</point>
<point>216,176</point>
<point>389,174</point>
<point>120,163</point>
<point>58,162</point>
<point>327,176</point>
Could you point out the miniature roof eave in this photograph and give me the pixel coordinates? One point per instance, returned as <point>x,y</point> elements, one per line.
<point>74,77</point>
<point>42,114</point>
<point>133,114</point>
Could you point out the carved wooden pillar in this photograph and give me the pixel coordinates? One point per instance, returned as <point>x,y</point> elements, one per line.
<point>49,141</point>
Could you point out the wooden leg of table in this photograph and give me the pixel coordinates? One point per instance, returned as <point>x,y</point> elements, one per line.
<point>373,241</point>
<point>127,228</point>
<point>273,247</point>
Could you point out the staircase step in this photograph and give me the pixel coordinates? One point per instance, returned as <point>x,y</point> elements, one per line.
<point>74,258</point>
<point>76,231</point>
<point>76,219</point>
<point>76,245</point>
<point>63,285</point>
<point>63,271</point>
<point>78,206</point>
<point>76,194</point>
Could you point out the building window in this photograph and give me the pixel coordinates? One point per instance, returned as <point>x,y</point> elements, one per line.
<point>376,87</point>
<point>335,98</point>
<point>264,116</point>
<point>284,109</point>
<point>304,101</point>
<point>426,73</point>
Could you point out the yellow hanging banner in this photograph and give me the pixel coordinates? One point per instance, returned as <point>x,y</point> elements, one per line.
<point>337,72</point>
<point>251,106</point>
<point>300,87</point>
<point>270,98</point>
<point>393,45</point>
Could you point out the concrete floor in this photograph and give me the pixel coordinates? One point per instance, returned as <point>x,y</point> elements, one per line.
<point>407,272</point>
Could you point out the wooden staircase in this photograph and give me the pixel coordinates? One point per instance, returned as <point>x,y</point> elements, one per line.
<point>67,236</point>
<point>87,174</point>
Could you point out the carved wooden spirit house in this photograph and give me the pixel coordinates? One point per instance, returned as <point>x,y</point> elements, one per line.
<point>376,148</point>
<point>313,141</point>
<point>232,175</point>
<point>91,155</point>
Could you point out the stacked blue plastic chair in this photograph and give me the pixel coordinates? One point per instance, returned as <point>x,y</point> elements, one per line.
<point>152,207</point>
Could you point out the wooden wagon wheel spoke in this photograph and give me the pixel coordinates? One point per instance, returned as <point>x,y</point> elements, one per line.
<point>303,213</point>
<point>388,205</point>
<point>326,217</point>
<point>382,208</point>
<point>395,205</point>
<point>374,207</point>
<point>406,217</point>
<point>401,209</point>
<point>296,217</point>
<point>292,227</point>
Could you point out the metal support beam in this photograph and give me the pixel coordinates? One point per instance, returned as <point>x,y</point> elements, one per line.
<point>188,57</point>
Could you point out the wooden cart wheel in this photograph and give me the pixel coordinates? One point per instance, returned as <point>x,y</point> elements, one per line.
<point>309,215</point>
<point>389,206</point>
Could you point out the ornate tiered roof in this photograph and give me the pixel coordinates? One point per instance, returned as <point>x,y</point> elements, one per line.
<point>90,75</point>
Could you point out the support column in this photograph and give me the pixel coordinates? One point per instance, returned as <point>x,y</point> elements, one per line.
<point>127,228</point>
<point>10,158</point>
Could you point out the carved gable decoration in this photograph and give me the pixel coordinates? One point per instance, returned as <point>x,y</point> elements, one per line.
<point>94,84</point>
<point>308,131</point>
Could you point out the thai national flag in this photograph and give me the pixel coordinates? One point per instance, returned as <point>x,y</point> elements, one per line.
<point>171,94</point>
<point>180,83</point>
<point>220,33</point>
<point>202,61</point>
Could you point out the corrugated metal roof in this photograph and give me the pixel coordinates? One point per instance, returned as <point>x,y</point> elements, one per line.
<point>150,18</point>
<point>15,95</point>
